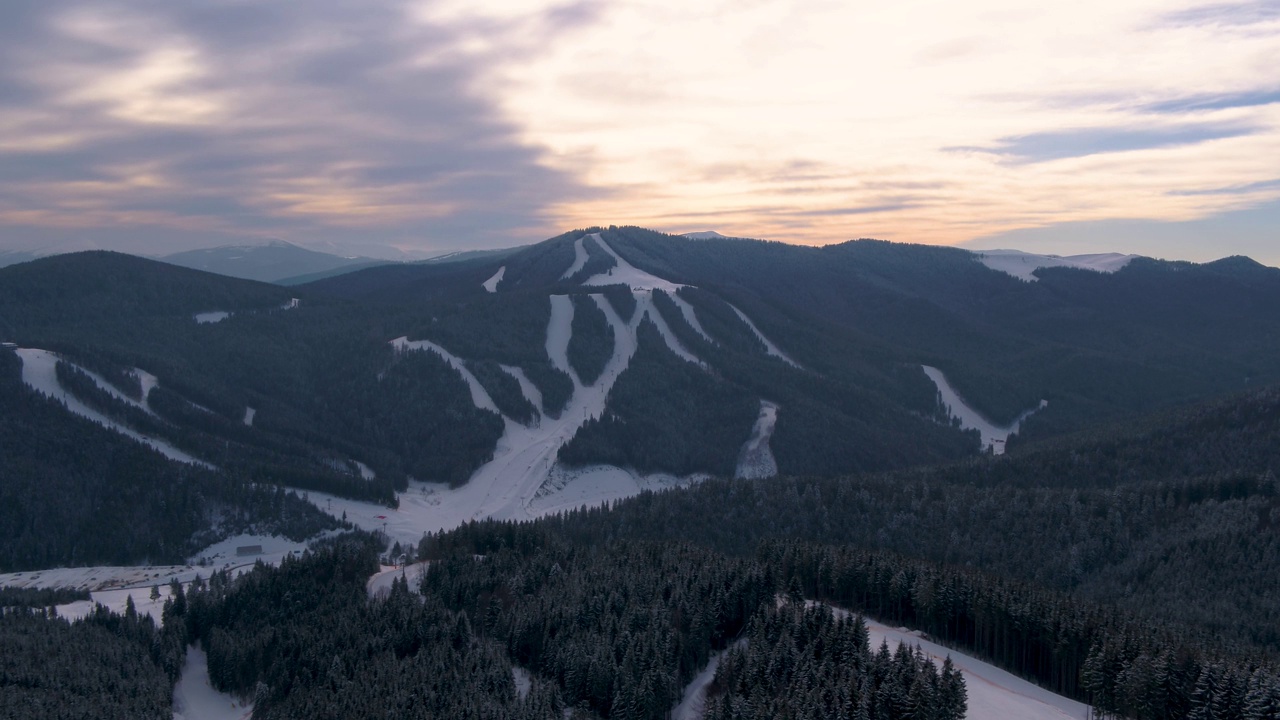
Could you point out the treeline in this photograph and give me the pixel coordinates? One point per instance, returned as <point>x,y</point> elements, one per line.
<point>39,597</point>
<point>804,662</point>
<point>598,262</point>
<point>504,390</point>
<point>666,415</point>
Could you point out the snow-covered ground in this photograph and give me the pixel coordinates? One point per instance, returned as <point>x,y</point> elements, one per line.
<point>1022,265</point>
<point>994,694</point>
<point>625,273</point>
<point>479,395</point>
<point>993,436</point>
<point>756,460</point>
<point>248,416</point>
<point>558,332</point>
<point>194,697</point>
<point>522,680</point>
<point>211,317</point>
<point>645,306</point>
<point>769,347</point>
<point>691,317</point>
<point>579,258</point>
<point>39,371</point>
<point>379,583</point>
<point>694,698</point>
<point>492,283</point>
<point>293,304</point>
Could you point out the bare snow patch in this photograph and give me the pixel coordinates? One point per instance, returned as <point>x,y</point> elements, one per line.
<point>194,697</point>
<point>491,285</point>
<point>523,681</point>
<point>755,460</point>
<point>769,347</point>
<point>570,488</point>
<point>366,472</point>
<point>293,304</point>
<point>248,416</point>
<point>627,274</point>
<point>993,436</point>
<point>1023,265</point>
<point>379,584</point>
<point>211,317</point>
<point>558,332</point>
<point>39,370</point>
<point>579,258</point>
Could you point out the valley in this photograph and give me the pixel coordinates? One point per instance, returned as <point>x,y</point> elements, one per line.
<point>992,429</point>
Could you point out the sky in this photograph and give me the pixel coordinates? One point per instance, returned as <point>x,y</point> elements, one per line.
<point>384,126</point>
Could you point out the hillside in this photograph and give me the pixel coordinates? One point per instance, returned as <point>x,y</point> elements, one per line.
<point>275,262</point>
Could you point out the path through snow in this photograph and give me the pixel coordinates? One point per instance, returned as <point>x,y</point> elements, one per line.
<point>194,697</point>
<point>755,460</point>
<point>769,347</point>
<point>492,283</point>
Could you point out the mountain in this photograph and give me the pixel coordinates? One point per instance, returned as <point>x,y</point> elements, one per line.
<point>13,257</point>
<point>276,261</point>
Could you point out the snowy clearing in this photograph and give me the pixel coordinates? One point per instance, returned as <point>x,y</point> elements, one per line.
<point>194,697</point>
<point>755,460</point>
<point>769,347</point>
<point>379,584</point>
<point>1022,265</point>
<point>39,371</point>
<point>994,694</point>
<point>211,317</point>
<point>522,680</point>
<point>558,332</point>
<point>292,304</point>
<point>624,273</point>
<point>579,258</point>
<point>366,472</point>
<point>491,284</point>
<point>993,436</point>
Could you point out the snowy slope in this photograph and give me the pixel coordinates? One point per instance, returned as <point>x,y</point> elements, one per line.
<point>993,436</point>
<point>579,259</point>
<point>1022,265</point>
<point>194,697</point>
<point>769,347</point>
<point>755,460</point>
<point>491,284</point>
<point>39,372</point>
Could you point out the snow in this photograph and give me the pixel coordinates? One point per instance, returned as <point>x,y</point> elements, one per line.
<point>695,693</point>
<point>479,395</point>
<point>755,460</point>
<point>148,382</point>
<point>379,584</point>
<point>194,697</point>
<point>366,472</point>
<point>645,306</point>
<point>527,388</point>
<point>523,681</point>
<point>558,332</point>
<point>705,235</point>
<point>211,317</point>
<point>248,416</point>
<point>994,694</point>
<point>690,316</point>
<point>491,284</point>
<point>624,273</point>
<point>292,304</point>
<point>993,436</point>
<point>579,259</point>
<point>769,347</point>
<point>1022,265</point>
<point>39,371</point>
<point>523,480</point>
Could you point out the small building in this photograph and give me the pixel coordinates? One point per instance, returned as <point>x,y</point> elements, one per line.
<point>248,550</point>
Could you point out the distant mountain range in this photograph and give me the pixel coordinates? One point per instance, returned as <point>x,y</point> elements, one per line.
<point>275,262</point>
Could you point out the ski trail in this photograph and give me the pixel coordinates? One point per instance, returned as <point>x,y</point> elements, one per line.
<point>558,332</point>
<point>527,388</point>
<point>645,306</point>
<point>492,283</point>
<point>769,347</point>
<point>248,416</point>
<point>694,698</point>
<point>690,316</point>
<point>624,273</point>
<point>479,395</point>
<point>994,436</point>
<point>40,373</point>
<point>755,460</point>
<point>579,259</point>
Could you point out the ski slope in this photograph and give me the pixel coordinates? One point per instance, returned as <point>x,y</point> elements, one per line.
<point>39,371</point>
<point>491,285</point>
<point>194,697</point>
<point>769,347</point>
<point>994,436</point>
<point>755,460</point>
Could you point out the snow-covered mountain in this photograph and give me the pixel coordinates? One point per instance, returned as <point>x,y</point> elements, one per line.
<point>275,261</point>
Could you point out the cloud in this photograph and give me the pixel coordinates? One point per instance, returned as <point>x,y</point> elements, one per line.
<point>1057,145</point>
<point>1197,103</point>
<point>313,120</point>
<point>1228,14</point>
